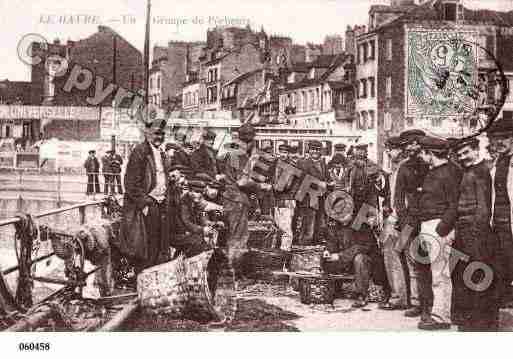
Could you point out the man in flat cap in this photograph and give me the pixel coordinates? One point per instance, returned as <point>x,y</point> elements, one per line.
<point>204,158</point>
<point>338,168</point>
<point>474,310</point>
<point>311,218</point>
<point>92,166</point>
<point>235,173</point>
<point>500,136</point>
<point>179,154</point>
<point>395,261</point>
<point>144,230</point>
<point>438,206</point>
<point>410,177</point>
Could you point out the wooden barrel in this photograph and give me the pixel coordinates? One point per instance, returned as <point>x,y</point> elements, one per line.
<point>201,288</point>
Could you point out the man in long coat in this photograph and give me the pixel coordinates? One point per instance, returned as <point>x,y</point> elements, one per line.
<point>475,304</point>
<point>144,233</point>
<point>92,167</point>
<point>311,220</point>
<point>501,139</point>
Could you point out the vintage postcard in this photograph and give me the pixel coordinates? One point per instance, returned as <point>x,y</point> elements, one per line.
<point>229,166</point>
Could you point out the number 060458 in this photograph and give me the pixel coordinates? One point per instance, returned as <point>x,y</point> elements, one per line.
<point>34,346</point>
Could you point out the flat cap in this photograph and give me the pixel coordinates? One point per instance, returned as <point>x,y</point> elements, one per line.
<point>172,146</point>
<point>340,147</point>
<point>284,147</point>
<point>459,144</point>
<point>178,167</point>
<point>501,127</point>
<point>411,135</point>
<point>204,177</point>
<point>315,144</point>
<point>196,186</point>
<point>91,151</point>
<point>293,149</point>
<point>157,125</point>
<point>433,143</point>
<point>361,146</point>
<point>394,142</point>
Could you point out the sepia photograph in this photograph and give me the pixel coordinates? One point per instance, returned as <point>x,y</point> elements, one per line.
<point>257,166</point>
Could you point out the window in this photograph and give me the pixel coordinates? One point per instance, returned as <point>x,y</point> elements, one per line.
<point>387,121</point>
<point>151,82</point>
<point>389,87</point>
<point>358,54</point>
<point>450,12</point>
<point>371,120</point>
<point>364,88</point>
<point>158,82</point>
<point>8,131</point>
<point>372,87</point>
<point>372,50</point>
<point>389,49</point>
<point>365,51</point>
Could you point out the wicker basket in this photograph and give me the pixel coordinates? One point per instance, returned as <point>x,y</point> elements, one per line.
<point>305,259</point>
<point>314,290</point>
<point>264,235</point>
<point>189,288</point>
<point>260,263</point>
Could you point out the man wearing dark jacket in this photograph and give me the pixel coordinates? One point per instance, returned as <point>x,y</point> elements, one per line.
<point>144,231</point>
<point>204,158</point>
<point>312,219</point>
<point>116,161</point>
<point>475,308</point>
<point>92,167</point>
<point>438,205</point>
<point>410,177</point>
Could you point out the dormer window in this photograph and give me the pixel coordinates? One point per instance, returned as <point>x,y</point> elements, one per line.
<point>452,10</point>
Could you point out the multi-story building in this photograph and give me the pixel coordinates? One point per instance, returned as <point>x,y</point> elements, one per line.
<point>18,93</point>
<point>333,44</point>
<point>386,52</point>
<point>320,94</point>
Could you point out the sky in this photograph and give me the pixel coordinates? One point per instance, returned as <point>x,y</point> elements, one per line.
<point>302,20</point>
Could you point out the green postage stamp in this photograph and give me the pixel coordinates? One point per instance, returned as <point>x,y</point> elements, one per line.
<point>441,72</point>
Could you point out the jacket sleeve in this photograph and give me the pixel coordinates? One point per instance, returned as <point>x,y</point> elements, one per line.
<point>483,188</point>
<point>134,180</point>
<point>452,194</point>
<point>186,216</point>
<point>400,194</point>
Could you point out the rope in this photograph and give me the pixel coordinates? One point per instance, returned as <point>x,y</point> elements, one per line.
<point>26,232</point>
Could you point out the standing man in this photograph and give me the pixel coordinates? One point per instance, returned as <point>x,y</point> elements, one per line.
<point>107,173</point>
<point>92,167</point>
<point>236,175</point>
<point>115,166</point>
<point>144,232</point>
<point>204,158</point>
<point>438,206</point>
<point>501,140</point>
<point>285,203</point>
<point>410,177</point>
<point>395,261</point>
<point>474,308</point>
<point>311,219</point>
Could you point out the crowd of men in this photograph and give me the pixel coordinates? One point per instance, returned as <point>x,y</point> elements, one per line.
<point>435,232</point>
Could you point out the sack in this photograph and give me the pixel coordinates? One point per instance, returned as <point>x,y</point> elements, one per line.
<point>132,236</point>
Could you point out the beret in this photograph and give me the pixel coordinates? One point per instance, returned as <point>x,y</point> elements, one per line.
<point>294,149</point>
<point>92,151</point>
<point>361,146</point>
<point>433,143</point>
<point>340,146</point>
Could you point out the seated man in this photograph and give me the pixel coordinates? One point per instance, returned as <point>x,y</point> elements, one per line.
<point>192,227</point>
<point>348,251</point>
